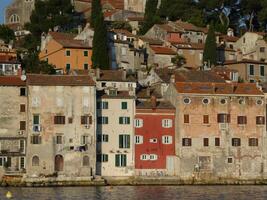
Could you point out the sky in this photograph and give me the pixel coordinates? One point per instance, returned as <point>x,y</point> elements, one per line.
<point>3,4</point>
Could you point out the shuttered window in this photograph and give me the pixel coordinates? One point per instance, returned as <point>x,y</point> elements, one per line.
<point>217,142</point>
<point>253,142</point>
<point>36,139</point>
<point>236,142</point>
<point>86,119</point>
<point>186,119</point>
<point>260,120</point>
<point>22,125</point>
<point>205,142</point>
<point>59,120</point>
<point>223,118</point>
<point>241,120</point>
<point>205,119</point>
<point>120,160</point>
<point>187,142</point>
<point>124,141</point>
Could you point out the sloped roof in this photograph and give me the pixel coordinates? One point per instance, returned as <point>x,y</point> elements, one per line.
<point>11,81</point>
<point>59,80</point>
<point>229,62</point>
<point>67,40</point>
<point>162,50</point>
<point>217,88</point>
<point>151,41</point>
<point>159,105</point>
<point>170,29</point>
<point>124,32</point>
<point>115,75</point>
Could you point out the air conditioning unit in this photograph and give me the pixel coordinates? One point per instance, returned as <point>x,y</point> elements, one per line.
<point>87,126</point>
<point>36,128</point>
<point>20,132</point>
<point>223,126</point>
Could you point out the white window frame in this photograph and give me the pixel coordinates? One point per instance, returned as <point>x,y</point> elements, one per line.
<point>138,139</point>
<point>166,139</point>
<point>144,157</point>
<point>166,123</point>
<point>138,123</point>
<point>153,140</point>
<point>153,157</point>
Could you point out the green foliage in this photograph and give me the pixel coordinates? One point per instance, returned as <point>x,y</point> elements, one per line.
<point>179,60</point>
<point>121,25</point>
<point>96,10</point>
<point>210,54</point>
<point>100,56</point>
<point>6,34</point>
<point>33,65</point>
<point>151,16</point>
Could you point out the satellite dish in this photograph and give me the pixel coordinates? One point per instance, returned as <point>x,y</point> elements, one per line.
<point>23,77</point>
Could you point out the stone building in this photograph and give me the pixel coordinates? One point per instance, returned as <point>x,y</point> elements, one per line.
<point>115,115</point>
<point>13,129</point>
<point>61,126</point>
<point>18,13</point>
<point>220,130</point>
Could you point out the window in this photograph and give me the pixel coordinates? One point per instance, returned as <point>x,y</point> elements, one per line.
<point>241,120</point>
<point>102,138</point>
<point>67,52</point>
<point>223,118</point>
<point>85,66</point>
<point>138,123</point>
<point>86,119</point>
<point>22,146</point>
<point>120,160</point>
<point>206,101</point>
<point>251,69</point>
<point>85,53</point>
<point>229,160</point>
<point>102,157</point>
<point>22,125</point>
<point>59,119</point>
<point>36,139</point>
<point>124,141</point>
<point>205,142</point>
<point>124,120</point>
<point>260,120</point>
<point>205,119</point>
<point>35,161</point>
<point>84,139</point>
<point>86,161</point>
<point>22,107</point>
<point>36,119</point>
<point>59,139</point>
<point>102,120</point>
<point>236,142</point>
<point>259,102</point>
<point>166,123</point>
<point>138,139</point>
<point>22,91</point>
<point>144,157</point>
<point>186,119</point>
<point>102,105</point>
<point>253,142</point>
<point>70,120</point>
<point>166,139</point>
<point>123,105</point>
<point>262,49</point>
<point>3,161</point>
<point>187,100</point>
<point>217,142</point>
<point>14,18</point>
<point>67,67</point>
<point>22,163</point>
<point>153,140</point>
<point>262,73</point>
<point>187,142</point>
<point>153,157</point>
<point>223,101</point>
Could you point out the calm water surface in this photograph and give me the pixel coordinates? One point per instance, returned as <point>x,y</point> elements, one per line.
<point>139,193</point>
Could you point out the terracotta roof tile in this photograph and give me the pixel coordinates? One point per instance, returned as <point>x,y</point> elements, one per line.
<point>59,80</point>
<point>151,41</point>
<point>11,81</point>
<point>218,88</point>
<point>67,40</point>
<point>115,75</point>
<point>160,105</point>
<point>162,50</point>
<point>169,29</point>
<point>124,32</point>
<point>229,62</point>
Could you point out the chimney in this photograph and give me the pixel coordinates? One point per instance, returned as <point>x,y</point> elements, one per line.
<point>153,101</point>
<point>97,73</point>
<point>124,73</point>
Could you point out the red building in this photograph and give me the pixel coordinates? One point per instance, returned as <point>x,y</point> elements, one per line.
<point>154,136</point>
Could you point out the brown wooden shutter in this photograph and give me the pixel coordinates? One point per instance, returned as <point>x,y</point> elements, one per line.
<point>90,120</point>
<point>228,118</point>
<point>22,125</point>
<point>186,118</point>
<point>22,108</point>
<point>217,142</point>
<point>205,119</point>
<point>206,142</point>
<point>83,119</point>
<point>55,119</point>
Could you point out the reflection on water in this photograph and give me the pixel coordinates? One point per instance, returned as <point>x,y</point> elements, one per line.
<point>140,193</point>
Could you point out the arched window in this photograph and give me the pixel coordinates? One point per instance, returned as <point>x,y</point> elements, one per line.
<point>14,18</point>
<point>35,161</point>
<point>85,161</point>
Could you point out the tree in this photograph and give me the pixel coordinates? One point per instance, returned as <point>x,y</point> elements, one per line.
<point>210,54</point>
<point>151,16</point>
<point>96,11</point>
<point>179,60</point>
<point>32,64</point>
<point>100,56</point>
<point>6,34</point>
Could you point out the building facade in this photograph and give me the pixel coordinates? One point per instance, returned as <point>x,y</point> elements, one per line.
<point>61,126</point>
<point>225,137</point>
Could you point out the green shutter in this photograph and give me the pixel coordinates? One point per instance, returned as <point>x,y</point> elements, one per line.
<point>121,120</point>
<point>120,141</point>
<point>117,160</point>
<point>124,160</point>
<point>128,120</point>
<point>128,141</point>
<point>124,105</point>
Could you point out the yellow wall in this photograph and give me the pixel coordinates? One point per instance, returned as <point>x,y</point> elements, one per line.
<point>56,55</point>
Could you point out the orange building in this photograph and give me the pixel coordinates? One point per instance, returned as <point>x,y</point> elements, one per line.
<point>66,52</point>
